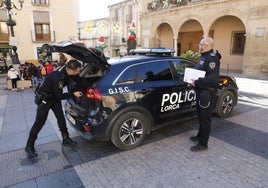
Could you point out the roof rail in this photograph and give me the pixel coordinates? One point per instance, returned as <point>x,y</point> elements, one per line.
<point>152,51</point>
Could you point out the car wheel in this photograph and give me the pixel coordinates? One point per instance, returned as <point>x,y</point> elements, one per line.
<point>129,130</point>
<point>225,104</point>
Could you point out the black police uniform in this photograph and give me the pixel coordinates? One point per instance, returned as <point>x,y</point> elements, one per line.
<point>206,93</point>
<point>52,91</point>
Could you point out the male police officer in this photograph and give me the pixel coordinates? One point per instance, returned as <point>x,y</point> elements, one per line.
<point>52,92</point>
<point>205,92</point>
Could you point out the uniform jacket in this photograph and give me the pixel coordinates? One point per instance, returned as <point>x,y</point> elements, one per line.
<point>54,83</point>
<point>209,63</point>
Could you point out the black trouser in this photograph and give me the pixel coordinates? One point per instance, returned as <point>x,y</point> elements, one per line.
<point>41,117</point>
<point>14,83</point>
<point>205,103</point>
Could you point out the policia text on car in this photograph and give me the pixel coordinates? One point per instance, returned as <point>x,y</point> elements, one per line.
<point>51,93</point>
<point>205,91</point>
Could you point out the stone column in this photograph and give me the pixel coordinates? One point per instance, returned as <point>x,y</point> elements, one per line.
<point>175,41</point>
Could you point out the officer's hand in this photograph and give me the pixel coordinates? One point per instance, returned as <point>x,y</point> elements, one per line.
<point>78,94</point>
<point>191,84</point>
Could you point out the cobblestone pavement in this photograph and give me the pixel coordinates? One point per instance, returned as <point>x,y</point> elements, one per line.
<point>237,155</point>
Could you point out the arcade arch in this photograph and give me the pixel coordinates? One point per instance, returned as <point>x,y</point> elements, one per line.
<point>228,32</point>
<point>230,38</point>
<point>164,36</point>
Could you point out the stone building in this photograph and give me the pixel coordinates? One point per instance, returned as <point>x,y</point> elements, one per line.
<point>238,27</point>
<point>122,16</point>
<point>91,31</point>
<point>38,22</point>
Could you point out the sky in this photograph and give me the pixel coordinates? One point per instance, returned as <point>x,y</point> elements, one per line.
<point>90,10</point>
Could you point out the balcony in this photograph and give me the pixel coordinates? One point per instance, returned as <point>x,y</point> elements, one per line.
<point>117,42</point>
<point>4,38</point>
<point>43,3</point>
<point>41,37</point>
<point>165,4</point>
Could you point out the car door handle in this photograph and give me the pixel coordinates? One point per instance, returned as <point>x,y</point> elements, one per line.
<point>145,91</point>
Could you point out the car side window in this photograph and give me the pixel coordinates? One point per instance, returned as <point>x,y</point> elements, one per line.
<point>180,66</point>
<point>154,71</point>
<point>127,77</point>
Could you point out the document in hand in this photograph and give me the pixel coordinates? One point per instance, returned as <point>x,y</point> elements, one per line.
<point>193,74</point>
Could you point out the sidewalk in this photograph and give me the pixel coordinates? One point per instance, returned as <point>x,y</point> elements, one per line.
<point>231,161</point>
<point>17,114</point>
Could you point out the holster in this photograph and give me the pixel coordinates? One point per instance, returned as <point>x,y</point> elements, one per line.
<point>38,98</point>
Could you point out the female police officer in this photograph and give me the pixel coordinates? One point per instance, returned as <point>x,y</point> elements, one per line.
<point>205,91</point>
<point>52,91</point>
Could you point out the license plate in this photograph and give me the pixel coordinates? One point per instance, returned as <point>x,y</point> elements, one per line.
<point>71,119</point>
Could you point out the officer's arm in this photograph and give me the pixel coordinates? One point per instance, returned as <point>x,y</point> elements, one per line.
<point>212,75</point>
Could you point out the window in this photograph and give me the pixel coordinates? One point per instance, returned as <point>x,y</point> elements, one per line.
<point>180,66</point>
<point>128,76</point>
<point>42,32</point>
<point>129,16</point>
<point>154,71</point>
<point>238,42</point>
<point>40,2</point>
<point>42,26</point>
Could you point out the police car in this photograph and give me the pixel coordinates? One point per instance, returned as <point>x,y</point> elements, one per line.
<point>126,98</point>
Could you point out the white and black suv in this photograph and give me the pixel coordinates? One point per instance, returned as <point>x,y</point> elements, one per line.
<point>127,97</point>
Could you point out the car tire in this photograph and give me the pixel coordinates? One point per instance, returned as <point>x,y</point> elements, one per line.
<point>225,104</point>
<point>129,130</point>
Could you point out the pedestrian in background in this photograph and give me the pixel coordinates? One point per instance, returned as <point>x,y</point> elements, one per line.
<point>51,94</point>
<point>34,74</point>
<point>47,68</point>
<point>205,92</point>
<point>13,75</point>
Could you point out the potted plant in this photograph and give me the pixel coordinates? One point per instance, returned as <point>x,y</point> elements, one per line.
<point>191,56</point>
<point>11,22</point>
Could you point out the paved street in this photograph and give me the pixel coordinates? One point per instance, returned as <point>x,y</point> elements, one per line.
<point>237,156</point>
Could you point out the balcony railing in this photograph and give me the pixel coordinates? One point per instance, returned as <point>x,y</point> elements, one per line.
<point>4,37</point>
<point>40,3</point>
<point>164,4</point>
<point>118,42</point>
<point>43,37</point>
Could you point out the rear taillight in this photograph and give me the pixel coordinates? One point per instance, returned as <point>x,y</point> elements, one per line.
<point>93,94</point>
<point>87,128</point>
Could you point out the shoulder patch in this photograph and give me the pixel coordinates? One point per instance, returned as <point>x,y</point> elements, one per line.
<point>60,85</point>
<point>212,65</point>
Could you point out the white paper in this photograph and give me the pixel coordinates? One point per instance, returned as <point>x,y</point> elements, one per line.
<point>193,74</point>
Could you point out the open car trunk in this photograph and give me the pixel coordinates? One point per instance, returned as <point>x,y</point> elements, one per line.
<point>77,50</point>
<point>95,66</point>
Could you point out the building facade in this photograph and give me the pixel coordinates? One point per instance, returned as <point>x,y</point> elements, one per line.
<point>95,34</point>
<point>39,22</point>
<point>238,27</point>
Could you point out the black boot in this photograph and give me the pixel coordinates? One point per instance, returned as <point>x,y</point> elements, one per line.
<point>67,141</point>
<point>29,149</point>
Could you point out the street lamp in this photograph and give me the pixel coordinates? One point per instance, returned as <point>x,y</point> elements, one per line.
<point>9,6</point>
<point>11,23</point>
